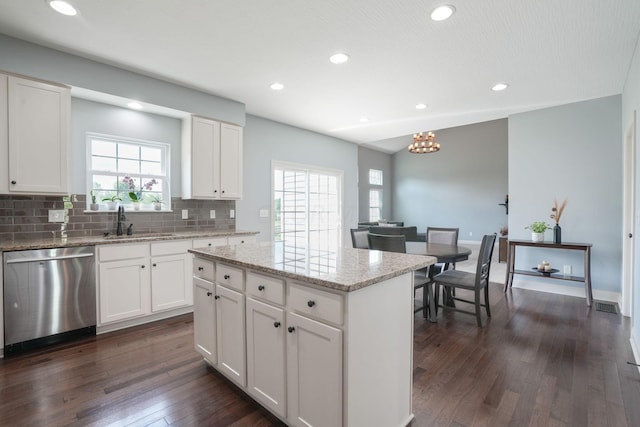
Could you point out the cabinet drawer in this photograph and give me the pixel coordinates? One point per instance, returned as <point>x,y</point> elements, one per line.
<point>239,240</point>
<point>122,252</point>
<point>209,242</point>
<point>314,302</point>
<point>265,287</point>
<point>203,268</point>
<point>229,276</point>
<point>179,247</point>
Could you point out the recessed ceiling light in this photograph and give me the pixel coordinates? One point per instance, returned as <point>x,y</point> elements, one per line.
<point>421,106</point>
<point>63,7</point>
<point>443,12</point>
<point>135,105</point>
<point>339,58</point>
<point>277,86</point>
<point>499,86</point>
<point>364,120</point>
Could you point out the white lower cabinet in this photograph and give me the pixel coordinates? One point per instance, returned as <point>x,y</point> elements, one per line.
<point>230,331</point>
<point>266,357</point>
<point>314,372</point>
<point>170,273</point>
<point>124,284</point>
<point>204,319</point>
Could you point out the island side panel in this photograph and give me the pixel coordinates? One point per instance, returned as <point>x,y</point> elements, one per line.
<point>379,354</point>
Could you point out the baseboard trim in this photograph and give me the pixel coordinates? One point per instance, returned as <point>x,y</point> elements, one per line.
<point>554,288</point>
<point>101,329</point>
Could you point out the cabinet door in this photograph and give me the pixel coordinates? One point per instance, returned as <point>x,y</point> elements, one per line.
<point>205,158</point>
<point>231,334</point>
<point>314,372</point>
<point>124,290</point>
<point>230,161</point>
<point>204,319</point>
<point>266,355</point>
<point>170,282</point>
<point>38,137</point>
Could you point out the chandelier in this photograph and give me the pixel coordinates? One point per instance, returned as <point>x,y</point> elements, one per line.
<point>424,143</point>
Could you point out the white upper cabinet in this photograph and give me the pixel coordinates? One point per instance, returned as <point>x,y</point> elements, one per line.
<point>211,159</point>
<point>34,126</point>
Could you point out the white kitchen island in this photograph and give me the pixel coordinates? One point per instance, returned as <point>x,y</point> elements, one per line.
<point>318,337</point>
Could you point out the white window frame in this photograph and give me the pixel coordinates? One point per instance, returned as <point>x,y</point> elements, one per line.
<point>309,169</point>
<point>165,162</point>
<point>375,186</point>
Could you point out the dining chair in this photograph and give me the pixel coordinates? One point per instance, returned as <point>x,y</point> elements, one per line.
<point>359,238</point>
<point>443,236</point>
<point>421,277</point>
<point>475,282</point>
<point>410,233</point>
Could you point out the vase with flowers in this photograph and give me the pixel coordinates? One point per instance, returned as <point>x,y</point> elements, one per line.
<point>556,213</point>
<point>135,195</point>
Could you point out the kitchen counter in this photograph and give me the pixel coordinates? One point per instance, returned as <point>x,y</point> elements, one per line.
<point>345,269</point>
<point>57,242</point>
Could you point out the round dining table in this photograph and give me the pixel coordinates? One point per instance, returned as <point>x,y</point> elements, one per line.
<point>445,254</point>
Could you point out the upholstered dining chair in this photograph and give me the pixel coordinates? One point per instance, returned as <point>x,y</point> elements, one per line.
<point>421,279</point>
<point>444,236</point>
<point>359,238</point>
<point>475,282</point>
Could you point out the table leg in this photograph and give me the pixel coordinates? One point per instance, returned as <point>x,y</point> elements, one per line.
<point>587,276</point>
<point>511,255</point>
<point>430,287</point>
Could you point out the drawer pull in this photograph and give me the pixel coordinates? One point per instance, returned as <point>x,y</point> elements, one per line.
<point>209,294</point>
<point>311,303</point>
<point>217,297</point>
<point>226,277</point>
<point>291,329</point>
<point>155,265</point>
<point>14,182</point>
<point>276,324</point>
<point>261,288</point>
<point>209,244</point>
<point>200,268</point>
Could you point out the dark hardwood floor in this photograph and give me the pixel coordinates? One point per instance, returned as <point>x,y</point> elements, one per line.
<point>541,360</point>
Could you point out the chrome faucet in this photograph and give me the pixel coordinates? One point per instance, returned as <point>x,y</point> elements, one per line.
<point>121,218</point>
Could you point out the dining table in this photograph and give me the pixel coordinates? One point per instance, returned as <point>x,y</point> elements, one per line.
<point>445,254</point>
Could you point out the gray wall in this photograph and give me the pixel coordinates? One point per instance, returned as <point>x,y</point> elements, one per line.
<point>459,186</point>
<point>372,159</point>
<point>571,151</point>
<point>88,116</point>
<point>266,140</point>
<point>25,58</point>
<point>631,104</point>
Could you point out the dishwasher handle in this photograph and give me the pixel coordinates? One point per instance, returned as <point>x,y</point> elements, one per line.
<point>52,258</point>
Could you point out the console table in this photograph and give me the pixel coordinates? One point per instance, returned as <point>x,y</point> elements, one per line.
<point>585,247</point>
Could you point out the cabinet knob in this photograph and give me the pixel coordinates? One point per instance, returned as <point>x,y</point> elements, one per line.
<point>14,182</point>
<point>291,329</point>
<point>261,288</point>
<point>155,265</point>
<point>311,303</point>
<point>200,268</point>
<point>276,324</point>
<point>217,297</point>
<point>209,294</point>
<point>142,266</point>
<point>209,244</point>
<point>215,191</point>
<point>222,191</point>
<point>226,277</point>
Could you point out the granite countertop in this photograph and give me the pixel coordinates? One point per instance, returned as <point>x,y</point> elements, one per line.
<point>344,269</point>
<point>57,242</point>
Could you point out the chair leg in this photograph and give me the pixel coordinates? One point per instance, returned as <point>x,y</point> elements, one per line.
<point>486,300</point>
<point>425,301</point>
<point>478,308</point>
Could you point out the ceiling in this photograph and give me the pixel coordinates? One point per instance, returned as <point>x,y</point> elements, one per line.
<point>550,52</point>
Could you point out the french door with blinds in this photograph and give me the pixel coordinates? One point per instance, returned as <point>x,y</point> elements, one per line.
<point>307,207</point>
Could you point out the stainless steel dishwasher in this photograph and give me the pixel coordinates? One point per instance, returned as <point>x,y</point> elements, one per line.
<point>49,296</point>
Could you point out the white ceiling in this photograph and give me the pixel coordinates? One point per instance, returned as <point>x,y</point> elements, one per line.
<point>550,52</point>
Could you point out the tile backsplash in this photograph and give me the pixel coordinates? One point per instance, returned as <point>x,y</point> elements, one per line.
<point>26,217</point>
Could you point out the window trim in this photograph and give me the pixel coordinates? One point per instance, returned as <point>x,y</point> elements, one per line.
<point>380,189</point>
<point>166,178</point>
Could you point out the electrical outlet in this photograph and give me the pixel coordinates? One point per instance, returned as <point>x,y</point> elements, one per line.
<point>232,213</point>
<point>567,270</point>
<point>264,213</point>
<point>56,215</point>
<point>212,214</point>
<point>471,234</point>
<point>185,213</point>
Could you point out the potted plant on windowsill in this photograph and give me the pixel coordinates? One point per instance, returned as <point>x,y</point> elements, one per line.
<point>157,202</point>
<point>94,203</point>
<point>537,230</point>
<point>112,202</point>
